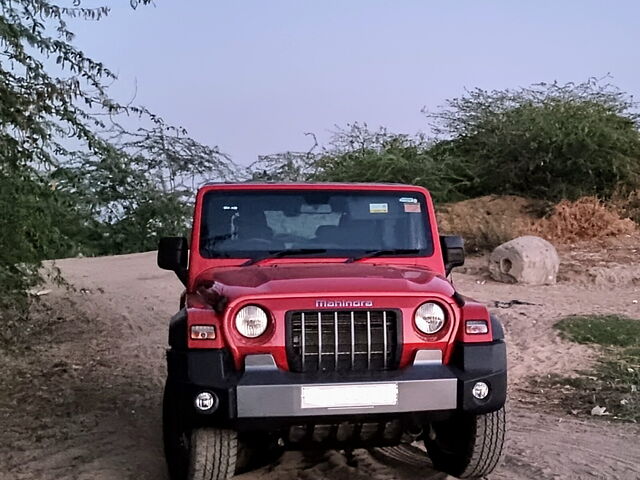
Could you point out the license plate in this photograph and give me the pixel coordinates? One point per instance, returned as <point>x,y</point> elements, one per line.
<point>349,396</point>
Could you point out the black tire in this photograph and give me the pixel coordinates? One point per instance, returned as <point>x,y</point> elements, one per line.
<point>467,446</point>
<point>198,453</point>
<point>176,436</point>
<point>213,454</point>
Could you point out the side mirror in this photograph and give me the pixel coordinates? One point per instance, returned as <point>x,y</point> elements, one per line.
<point>452,251</point>
<point>173,254</point>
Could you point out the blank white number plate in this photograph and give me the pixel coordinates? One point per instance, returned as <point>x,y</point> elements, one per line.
<point>349,396</point>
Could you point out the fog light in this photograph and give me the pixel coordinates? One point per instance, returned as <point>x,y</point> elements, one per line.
<point>206,402</point>
<point>480,390</point>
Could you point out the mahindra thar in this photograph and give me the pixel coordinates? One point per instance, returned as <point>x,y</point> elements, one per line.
<point>321,316</point>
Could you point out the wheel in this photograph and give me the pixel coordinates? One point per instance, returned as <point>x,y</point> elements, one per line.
<point>196,453</point>
<point>467,446</point>
<point>213,454</point>
<point>176,436</point>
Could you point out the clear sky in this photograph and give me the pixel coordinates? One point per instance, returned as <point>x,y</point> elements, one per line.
<point>252,76</point>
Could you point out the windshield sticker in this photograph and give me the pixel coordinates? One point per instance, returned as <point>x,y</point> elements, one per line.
<point>408,200</point>
<point>412,208</point>
<point>378,208</point>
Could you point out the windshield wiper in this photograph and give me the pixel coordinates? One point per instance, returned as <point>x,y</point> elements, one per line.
<point>284,253</point>
<point>379,253</point>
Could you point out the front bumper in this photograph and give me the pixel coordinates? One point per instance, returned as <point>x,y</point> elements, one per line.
<point>265,391</point>
<point>264,394</point>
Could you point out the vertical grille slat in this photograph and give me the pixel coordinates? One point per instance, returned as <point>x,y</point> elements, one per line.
<point>368,340</point>
<point>302,340</point>
<point>353,341</point>
<point>342,340</point>
<point>336,348</point>
<point>319,338</point>
<point>384,336</point>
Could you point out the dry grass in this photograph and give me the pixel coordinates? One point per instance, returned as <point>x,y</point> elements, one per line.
<point>628,205</point>
<point>584,219</point>
<point>488,221</point>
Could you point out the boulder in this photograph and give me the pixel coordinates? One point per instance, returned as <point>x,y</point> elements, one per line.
<point>529,260</point>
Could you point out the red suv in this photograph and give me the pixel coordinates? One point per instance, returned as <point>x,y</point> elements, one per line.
<point>320,315</point>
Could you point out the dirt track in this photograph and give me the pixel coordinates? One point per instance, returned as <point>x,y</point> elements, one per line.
<point>83,400</point>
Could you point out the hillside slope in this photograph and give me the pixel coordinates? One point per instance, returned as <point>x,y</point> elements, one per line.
<point>81,398</point>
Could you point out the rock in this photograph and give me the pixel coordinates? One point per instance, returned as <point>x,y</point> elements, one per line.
<point>529,260</point>
<point>599,411</point>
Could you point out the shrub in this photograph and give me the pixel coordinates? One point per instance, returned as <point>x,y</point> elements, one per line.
<point>358,154</point>
<point>547,141</point>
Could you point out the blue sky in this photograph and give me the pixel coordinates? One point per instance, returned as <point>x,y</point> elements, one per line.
<point>253,76</point>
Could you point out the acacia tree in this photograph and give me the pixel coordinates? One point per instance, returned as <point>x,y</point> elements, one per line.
<point>140,192</point>
<point>289,166</point>
<point>72,179</point>
<point>359,154</point>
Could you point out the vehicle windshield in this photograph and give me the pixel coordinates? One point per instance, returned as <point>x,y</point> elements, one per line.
<point>315,223</point>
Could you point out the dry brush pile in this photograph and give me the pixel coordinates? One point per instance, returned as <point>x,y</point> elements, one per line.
<point>486,222</point>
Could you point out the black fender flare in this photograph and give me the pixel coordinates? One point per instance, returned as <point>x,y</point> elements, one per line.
<point>496,328</point>
<point>178,330</point>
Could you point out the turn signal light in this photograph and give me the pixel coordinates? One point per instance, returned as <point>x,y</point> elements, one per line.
<point>476,327</point>
<point>203,332</point>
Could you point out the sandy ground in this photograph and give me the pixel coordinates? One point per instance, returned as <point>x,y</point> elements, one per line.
<point>81,399</point>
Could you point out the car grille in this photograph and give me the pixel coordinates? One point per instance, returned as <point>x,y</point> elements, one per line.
<point>354,340</point>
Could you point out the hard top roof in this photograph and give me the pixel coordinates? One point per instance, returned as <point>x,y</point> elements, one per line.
<point>309,184</point>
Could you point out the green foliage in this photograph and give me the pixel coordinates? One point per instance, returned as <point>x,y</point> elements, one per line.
<point>72,179</point>
<point>608,330</point>
<point>358,154</point>
<point>285,166</point>
<point>548,141</point>
<point>141,191</point>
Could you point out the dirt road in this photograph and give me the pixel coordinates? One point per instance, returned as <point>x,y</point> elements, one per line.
<point>82,399</point>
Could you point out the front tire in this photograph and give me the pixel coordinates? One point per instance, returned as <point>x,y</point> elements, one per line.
<point>176,436</point>
<point>214,452</point>
<point>467,446</point>
<point>196,453</point>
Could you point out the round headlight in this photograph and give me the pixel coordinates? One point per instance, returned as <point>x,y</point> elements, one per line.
<point>251,321</point>
<point>429,318</point>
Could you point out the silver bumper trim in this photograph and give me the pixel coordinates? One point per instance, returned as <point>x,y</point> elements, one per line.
<point>285,400</point>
